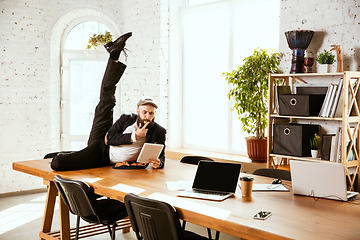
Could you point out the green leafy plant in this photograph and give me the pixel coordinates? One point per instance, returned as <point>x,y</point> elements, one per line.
<point>250,90</point>
<point>99,39</point>
<point>315,142</point>
<point>325,57</point>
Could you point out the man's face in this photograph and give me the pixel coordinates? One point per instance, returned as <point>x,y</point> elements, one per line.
<point>146,113</point>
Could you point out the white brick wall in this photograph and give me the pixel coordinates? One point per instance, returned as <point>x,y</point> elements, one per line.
<point>29,83</point>
<point>24,108</point>
<point>334,22</point>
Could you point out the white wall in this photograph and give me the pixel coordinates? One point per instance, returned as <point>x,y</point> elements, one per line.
<point>28,92</point>
<point>334,22</point>
<point>29,83</point>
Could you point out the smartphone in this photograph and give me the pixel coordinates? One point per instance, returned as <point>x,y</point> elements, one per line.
<point>262,215</point>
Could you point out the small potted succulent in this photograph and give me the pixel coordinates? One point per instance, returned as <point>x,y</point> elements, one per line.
<point>325,59</point>
<point>314,145</point>
<point>99,39</point>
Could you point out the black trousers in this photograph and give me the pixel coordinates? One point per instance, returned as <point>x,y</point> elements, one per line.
<point>96,154</point>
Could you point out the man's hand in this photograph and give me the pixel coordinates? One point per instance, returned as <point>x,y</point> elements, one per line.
<point>141,131</point>
<point>155,163</point>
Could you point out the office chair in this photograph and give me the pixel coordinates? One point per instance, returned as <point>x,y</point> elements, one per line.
<point>79,197</point>
<point>155,220</point>
<point>195,160</point>
<point>273,173</point>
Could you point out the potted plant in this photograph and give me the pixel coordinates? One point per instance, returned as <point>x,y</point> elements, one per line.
<point>250,92</point>
<point>99,39</point>
<point>314,145</point>
<point>325,59</point>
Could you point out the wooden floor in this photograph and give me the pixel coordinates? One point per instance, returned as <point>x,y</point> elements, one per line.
<point>248,166</point>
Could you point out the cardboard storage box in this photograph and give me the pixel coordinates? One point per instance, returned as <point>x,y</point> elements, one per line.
<point>293,139</point>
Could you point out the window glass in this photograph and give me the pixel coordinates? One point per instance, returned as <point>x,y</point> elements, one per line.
<point>85,79</point>
<point>216,39</point>
<point>205,34</point>
<point>258,33</point>
<point>78,37</point>
<point>81,79</point>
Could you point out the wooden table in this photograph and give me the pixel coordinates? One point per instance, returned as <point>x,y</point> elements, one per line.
<point>294,217</point>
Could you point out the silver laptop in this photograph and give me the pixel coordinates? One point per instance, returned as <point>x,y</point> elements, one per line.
<point>320,179</point>
<point>214,181</point>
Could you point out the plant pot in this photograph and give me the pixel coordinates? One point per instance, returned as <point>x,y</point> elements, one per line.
<point>257,149</point>
<point>314,153</point>
<point>324,68</point>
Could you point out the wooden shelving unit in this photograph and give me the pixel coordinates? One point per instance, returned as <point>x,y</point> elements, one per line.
<point>350,116</point>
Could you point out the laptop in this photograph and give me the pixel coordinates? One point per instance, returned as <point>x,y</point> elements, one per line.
<point>320,179</point>
<point>214,181</point>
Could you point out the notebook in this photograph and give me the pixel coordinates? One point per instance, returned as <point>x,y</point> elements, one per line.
<point>320,179</point>
<point>214,181</point>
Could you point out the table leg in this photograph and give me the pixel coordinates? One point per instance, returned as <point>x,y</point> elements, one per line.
<point>49,206</point>
<point>64,220</point>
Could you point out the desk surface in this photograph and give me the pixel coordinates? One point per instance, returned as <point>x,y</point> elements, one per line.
<point>294,217</point>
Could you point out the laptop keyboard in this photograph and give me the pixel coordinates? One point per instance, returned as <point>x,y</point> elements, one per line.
<point>209,192</point>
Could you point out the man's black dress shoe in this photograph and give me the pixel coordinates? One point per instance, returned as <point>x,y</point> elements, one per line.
<point>118,44</point>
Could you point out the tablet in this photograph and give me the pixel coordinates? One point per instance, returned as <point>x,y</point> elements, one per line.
<point>150,150</point>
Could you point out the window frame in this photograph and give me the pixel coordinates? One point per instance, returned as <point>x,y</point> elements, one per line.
<point>65,57</point>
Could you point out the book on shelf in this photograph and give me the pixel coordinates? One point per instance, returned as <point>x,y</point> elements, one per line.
<point>339,108</point>
<point>325,100</point>
<point>331,101</point>
<point>336,98</point>
<point>337,154</point>
<point>336,143</point>
<point>326,146</point>
<point>331,145</point>
<point>325,106</point>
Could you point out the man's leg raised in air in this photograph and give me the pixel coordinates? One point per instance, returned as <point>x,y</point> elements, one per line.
<point>96,153</point>
<point>103,118</point>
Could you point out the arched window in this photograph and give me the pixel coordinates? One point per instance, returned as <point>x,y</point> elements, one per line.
<point>81,74</point>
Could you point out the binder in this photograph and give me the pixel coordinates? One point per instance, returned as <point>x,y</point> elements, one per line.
<point>326,146</point>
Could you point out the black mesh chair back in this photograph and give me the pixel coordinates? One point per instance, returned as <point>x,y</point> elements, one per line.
<point>194,159</point>
<point>155,220</point>
<point>273,173</point>
<point>81,200</point>
<point>78,197</point>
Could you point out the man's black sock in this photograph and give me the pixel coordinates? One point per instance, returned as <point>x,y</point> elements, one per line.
<point>114,55</point>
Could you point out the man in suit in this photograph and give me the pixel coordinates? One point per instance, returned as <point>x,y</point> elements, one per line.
<point>122,141</point>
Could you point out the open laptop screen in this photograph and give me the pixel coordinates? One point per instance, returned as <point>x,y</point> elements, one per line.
<point>217,176</point>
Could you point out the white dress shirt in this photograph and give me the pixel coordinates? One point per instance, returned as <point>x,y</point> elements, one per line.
<point>127,153</point>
